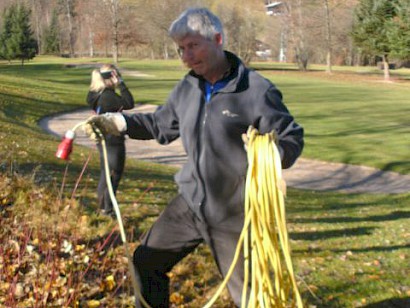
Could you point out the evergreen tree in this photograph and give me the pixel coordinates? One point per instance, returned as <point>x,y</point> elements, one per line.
<point>370,31</point>
<point>17,36</point>
<point>6,33</point>
<point>399,31</point>
<point>51,36</point>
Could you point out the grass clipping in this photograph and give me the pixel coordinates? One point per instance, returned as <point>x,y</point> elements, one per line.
<point>269,278</point>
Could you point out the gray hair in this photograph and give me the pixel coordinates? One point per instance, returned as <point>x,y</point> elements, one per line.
<point>196,21</point>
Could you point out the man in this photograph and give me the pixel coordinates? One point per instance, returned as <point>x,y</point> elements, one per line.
<point>210,109</point>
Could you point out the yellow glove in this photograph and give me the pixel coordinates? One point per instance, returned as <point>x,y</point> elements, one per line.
<point>112,123</point>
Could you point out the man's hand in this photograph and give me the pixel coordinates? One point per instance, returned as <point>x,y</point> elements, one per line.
<point>252,130</point>
<point>245,137</point>
<point>108,123</point>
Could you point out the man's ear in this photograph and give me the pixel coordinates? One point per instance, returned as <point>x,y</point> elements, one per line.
<point>219,39</point>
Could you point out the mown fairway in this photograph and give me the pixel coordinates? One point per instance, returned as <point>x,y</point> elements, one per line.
<point>348,250</point>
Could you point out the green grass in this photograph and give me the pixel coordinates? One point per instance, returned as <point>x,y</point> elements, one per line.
<point>349,250</point>
<point>348,117</point>
<point>354,119</point>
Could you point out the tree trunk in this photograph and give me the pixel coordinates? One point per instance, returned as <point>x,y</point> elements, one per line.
<point>115,24</point>
<point>328,38</point>
<point>37,26</point>
<point>386,68</point>
<point>115,47</point>
<point>301,54</point>
<point>166,55</point>
<point>91,44</point>
<point>70,29</point>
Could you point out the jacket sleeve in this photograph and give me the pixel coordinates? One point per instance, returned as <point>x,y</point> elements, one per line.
<point>110,101</point>
<point>127,100</point>
<point>274,115</point>
<point>162,125</point>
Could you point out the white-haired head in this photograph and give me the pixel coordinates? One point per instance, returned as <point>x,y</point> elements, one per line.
<point>196,21</point>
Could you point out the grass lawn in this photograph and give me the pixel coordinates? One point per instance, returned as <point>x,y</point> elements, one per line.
<point>349,250</point>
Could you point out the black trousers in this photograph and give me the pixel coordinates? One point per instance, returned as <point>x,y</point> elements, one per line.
<point>116,163</point>
<point>175,234</point>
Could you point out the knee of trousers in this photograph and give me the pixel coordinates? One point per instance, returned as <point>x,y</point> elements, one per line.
<point>147,260</point>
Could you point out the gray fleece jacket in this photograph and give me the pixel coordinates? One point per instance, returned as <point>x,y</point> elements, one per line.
<point>213,179</point>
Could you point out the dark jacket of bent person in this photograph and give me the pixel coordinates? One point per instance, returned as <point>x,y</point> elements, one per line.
<point>102,97</point>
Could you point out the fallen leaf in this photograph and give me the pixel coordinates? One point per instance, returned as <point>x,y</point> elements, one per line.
<point>313,288</point>
<point>93,304</point>
<point>18,291</point>
<point>109,283</point>
<point>176,298</point>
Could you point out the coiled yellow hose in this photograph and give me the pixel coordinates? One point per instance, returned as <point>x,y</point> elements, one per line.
<point>269,278</point>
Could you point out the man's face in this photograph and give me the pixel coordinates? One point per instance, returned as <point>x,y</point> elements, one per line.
<point>200,54</point>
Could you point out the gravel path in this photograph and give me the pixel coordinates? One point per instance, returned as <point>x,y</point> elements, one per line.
<point>305,174</point>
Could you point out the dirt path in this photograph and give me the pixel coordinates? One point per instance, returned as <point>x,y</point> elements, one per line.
<point>305,174</point>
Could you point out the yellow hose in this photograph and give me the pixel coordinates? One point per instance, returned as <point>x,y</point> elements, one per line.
<point>131,267</point>
<point>134,276</point>
<point>269,280</point>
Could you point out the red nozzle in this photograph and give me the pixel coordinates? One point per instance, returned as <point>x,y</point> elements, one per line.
<point>66,145</point>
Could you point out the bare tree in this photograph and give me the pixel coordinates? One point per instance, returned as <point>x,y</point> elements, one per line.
<point>337,19</point>
<point>86,24</point>
<point>307,31</point>
<point>35,10</point>
<point>113,6</point>
<point>243,22</point>
<point>328,37</point>
<point>302,52</point>
<point>161,14</point>
<point>69,11</point>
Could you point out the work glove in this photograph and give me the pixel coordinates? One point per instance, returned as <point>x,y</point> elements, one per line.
<point>112,123</point>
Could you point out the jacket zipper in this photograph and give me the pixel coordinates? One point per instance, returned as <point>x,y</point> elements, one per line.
<point>201,142</point>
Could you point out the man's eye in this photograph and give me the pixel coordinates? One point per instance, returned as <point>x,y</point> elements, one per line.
<point>193,46</point>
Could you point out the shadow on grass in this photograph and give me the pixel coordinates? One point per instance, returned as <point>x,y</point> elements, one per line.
<point>335,303</point>
<point>322,235</point>
<point>395,215</point>
<point>374,248</point>
<point>391,303</point>
<point>18,107</point>
<point>359,250</point>
<point>397,165</point>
